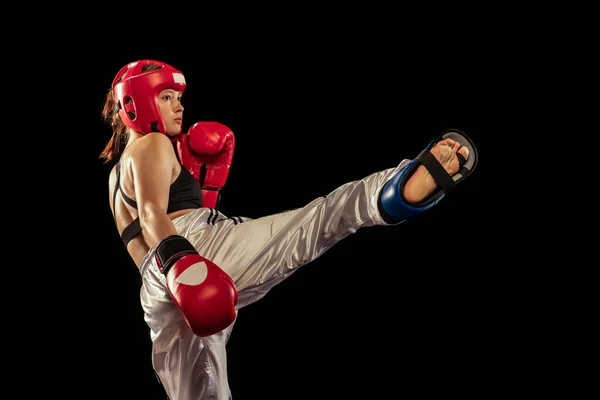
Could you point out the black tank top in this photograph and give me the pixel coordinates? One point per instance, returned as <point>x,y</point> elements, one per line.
<point>184,193</point>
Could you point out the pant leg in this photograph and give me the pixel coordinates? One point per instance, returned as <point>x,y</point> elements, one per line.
<point>189,367</point>
<point>260,253</point>
<point>257,254</point>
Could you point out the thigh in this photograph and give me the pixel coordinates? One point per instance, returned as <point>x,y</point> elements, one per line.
<point>251,251</point>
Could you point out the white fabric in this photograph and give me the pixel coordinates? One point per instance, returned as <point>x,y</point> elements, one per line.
<point>257,254</point>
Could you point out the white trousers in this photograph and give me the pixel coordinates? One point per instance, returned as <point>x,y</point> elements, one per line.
<point>257,254</point>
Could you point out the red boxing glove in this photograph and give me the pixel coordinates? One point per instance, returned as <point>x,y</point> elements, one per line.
<point>203,292</point>
<point>206,150</point>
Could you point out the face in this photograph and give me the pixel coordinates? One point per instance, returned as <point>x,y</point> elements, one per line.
<point>171,110</point>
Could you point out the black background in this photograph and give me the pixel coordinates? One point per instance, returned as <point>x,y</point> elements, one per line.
<point>425,306</point>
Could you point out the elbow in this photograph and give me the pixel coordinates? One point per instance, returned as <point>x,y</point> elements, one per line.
<point>149,215</point>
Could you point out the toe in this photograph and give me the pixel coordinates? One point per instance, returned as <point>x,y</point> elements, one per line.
<point>464,151</point>
<point>463,155</point>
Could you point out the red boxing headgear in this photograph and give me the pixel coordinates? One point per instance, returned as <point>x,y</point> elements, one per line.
<point>136,94</point>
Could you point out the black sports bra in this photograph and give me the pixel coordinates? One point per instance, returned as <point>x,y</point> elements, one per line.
<point>184,193</point>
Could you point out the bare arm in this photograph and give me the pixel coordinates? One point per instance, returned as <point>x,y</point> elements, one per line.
<point>153,168</point>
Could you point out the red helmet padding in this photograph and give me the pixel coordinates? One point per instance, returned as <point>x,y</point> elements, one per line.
<point>137,92</point>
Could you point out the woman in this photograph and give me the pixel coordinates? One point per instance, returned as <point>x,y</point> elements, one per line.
<point>158,210</point>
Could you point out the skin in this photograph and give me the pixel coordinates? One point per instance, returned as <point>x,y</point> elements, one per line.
<point>149,166</point>
<point>421,184</point>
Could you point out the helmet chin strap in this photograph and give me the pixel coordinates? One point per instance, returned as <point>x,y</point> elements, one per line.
<point>154,128</point>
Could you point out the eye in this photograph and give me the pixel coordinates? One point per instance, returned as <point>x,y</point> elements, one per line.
<point>166,97</point>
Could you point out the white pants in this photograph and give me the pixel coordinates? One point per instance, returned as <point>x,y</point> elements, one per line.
<point>257,254</point>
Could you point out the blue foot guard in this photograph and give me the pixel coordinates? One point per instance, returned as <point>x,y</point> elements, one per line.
<point>392,206</point>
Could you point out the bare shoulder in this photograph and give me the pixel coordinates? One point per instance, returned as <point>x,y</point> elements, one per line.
<point>154,139</point>
<point>151,152</point>
<point>152,143</point>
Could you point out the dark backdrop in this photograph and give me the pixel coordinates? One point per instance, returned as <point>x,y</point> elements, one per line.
<point>419,306</point>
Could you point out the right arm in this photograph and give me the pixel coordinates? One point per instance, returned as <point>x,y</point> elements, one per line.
<point>152,170</point>
<point>203,292</point>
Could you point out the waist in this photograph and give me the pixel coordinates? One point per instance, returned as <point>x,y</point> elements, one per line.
<point>179,213</point>
<point>175,206</point>
<point>137,246</point>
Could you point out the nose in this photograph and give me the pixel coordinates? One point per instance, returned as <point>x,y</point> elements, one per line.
<point>179,107</point>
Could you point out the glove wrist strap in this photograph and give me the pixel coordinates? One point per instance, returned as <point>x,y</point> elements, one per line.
<point>171,249</point>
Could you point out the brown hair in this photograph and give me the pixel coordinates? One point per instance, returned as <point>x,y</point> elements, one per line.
<point>111,117</point>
